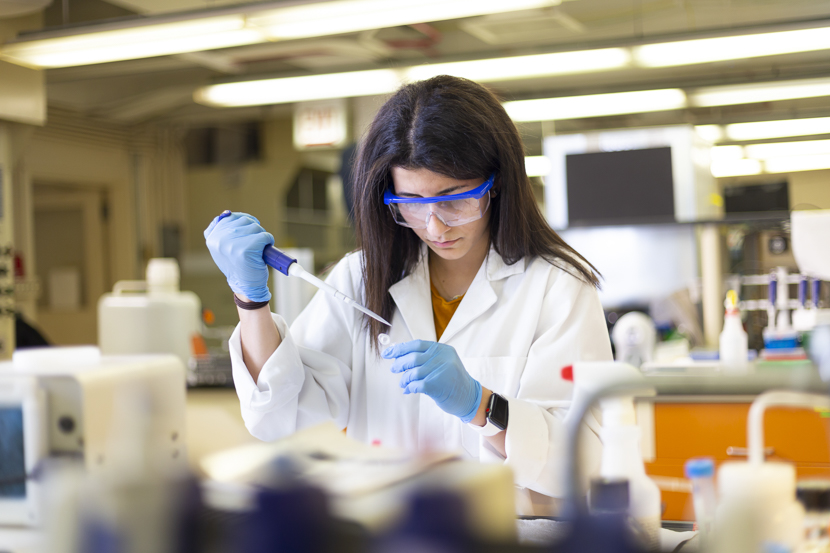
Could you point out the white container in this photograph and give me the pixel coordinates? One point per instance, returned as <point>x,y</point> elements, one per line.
<point>757,508</point>
<point>733,339</point>
<point>151,316</point>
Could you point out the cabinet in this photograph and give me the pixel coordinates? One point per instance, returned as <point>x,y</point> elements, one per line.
<point>704,427</point>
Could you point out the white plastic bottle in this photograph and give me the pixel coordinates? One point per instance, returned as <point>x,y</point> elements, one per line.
<point>733,340</point>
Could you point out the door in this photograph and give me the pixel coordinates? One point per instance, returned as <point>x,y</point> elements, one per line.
<point>70,253</point>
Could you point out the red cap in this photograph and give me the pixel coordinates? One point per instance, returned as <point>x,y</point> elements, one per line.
<point>568,373</point>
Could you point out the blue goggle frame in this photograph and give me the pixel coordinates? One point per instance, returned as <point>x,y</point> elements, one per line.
<point>475,194</point>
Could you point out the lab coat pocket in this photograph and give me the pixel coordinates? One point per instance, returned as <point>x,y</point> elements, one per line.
<point>498,374</point>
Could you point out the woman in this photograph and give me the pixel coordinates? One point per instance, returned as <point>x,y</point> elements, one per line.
<point>486,302</point>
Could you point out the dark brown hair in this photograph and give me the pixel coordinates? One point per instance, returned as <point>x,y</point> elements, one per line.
<point>457,128</point>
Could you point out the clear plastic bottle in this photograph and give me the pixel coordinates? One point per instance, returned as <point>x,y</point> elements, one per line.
<point>701,471</point>
<point>733,340</point>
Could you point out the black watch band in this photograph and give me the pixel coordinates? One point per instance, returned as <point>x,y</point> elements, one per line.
<point>497,411</point>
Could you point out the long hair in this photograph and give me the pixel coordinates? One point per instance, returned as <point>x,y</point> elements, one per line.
<point>457,128</point>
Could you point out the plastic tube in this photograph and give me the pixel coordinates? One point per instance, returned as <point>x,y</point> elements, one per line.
<point>701,471</point>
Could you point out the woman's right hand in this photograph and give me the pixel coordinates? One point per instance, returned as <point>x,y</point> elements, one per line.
<point>236,243</point>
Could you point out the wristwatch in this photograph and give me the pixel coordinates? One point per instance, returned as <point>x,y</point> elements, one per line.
<point>496,413</point>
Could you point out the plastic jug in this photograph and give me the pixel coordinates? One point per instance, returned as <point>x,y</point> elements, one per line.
<point>151,316</point>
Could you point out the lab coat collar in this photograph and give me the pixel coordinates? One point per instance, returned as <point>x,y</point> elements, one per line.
<point>413,297</point>
<point>497,269</point>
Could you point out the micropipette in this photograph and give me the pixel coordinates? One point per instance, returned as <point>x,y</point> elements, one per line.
<point>288,266</point>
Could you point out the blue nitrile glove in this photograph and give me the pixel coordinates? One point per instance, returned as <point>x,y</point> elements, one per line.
<point>236,243</point>
<point>435,370</point>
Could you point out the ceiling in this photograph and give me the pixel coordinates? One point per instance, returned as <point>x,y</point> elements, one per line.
<point>160,89</point>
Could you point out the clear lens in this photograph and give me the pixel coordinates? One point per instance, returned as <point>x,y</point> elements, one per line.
<point>454,213</point>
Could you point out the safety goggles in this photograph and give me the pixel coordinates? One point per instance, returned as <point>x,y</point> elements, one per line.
<point>453,209</point>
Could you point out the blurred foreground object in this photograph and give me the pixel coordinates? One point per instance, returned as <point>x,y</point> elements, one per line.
<point>369,485</point>
<point>75,404</point>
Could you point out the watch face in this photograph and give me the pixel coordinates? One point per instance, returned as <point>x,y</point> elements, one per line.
<point>497,411</point>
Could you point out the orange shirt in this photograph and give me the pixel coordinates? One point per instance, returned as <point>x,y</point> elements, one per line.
<point>442,310</point>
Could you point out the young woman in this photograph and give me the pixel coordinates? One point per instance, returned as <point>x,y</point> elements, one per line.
<point>486,302</point>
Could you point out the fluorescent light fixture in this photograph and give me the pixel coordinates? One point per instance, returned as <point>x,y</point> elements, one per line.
<point>710,133</point>
<point>518,67</point>
<point>251,24</point>
<point>776,129</point>
<point>537,166</point>
<point>793,164</point>
<point>384,81</point>
<point>144,41</point>
<point>786,149</point>
<point>299,89</point>
<point>736,167</point>
<point>720,154</point>
<point>330,18</point>
<point>705,50</point>
<point>759,92</point>
<point>596,105</point>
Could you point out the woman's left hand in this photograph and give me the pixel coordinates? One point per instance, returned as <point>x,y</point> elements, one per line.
<point>435,370</point>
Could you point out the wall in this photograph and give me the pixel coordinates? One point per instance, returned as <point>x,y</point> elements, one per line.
<point>810,189</point>
<point>134,174</point>
<point>256,187</point>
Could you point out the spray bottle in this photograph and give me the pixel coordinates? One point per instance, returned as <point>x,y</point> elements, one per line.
<point>733,340</point>
<point>620,435</point>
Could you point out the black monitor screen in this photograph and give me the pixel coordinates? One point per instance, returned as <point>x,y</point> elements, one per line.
<point>12,454</point>
<point>625,187</point>
<point>756,197</point>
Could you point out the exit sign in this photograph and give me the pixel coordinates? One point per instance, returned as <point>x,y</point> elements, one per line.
<point>320,125</point>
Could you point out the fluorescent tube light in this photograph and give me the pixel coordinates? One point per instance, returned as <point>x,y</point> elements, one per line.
<point>251,24</point>
<point>726,153</point>
<point>776,129</point>
<point>793,164</point>
<point>786,149</point>
<point>517,67</point>
<point>132,43</point>
<point>330,18</point>
<point>384,81</point>
<point>537,166</point>
<point>687,52</point>
<point>735,167</point>
<point>710,133</point>
<point>596,105</point>
<point>760,92</point>
<point>299,89</point>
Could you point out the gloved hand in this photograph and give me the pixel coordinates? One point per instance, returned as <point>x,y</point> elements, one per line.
<point>435,370</point>
<point>236,243</point>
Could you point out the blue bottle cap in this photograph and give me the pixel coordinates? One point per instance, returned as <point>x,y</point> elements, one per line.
<point>700,467</point>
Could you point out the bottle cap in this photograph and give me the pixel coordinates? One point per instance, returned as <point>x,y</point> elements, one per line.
<point>814,494</point>
<point>609,494</point>
<point>700,467</point>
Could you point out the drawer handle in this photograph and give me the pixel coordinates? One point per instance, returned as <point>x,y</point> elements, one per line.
<point>743,452</point>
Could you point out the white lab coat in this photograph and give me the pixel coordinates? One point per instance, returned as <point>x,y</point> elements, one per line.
<point>515,329</point>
